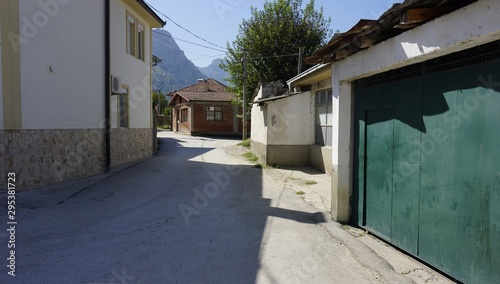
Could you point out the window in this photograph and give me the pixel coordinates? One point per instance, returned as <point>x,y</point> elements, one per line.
<point>130,35</point>
<point>140,42</point>
<point>214,113</point>
<point>135,37</point>
<point>184,115</point>
<point>324,119</point>
<point>123,109</point>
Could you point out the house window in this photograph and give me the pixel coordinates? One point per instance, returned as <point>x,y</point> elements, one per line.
<point>131,35</point>
<point>135,37</point>
<point>123,109</point>
<point>140,42</point>
<point>214,113</point>
<point>184,115</point>
<point>324,119</point>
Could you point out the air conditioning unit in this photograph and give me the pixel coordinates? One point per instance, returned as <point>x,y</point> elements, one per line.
<point>116,85</point>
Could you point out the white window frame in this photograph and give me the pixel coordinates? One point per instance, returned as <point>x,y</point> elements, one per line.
<point>140,41</point>
<point>324,124</point>
<point>131,34</point>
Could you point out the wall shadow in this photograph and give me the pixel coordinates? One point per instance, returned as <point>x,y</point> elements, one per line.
<point>168,219</point>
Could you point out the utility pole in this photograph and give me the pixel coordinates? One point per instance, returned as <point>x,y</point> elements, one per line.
<point>244,95</point>
<point>301,52</point>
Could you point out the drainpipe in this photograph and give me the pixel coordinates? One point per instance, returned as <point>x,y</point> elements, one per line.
<point>107,84</point>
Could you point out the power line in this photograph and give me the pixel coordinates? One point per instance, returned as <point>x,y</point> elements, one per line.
<point>188,59</point>
<point>275,56</point>
<point>212,56</point>
<point>152,7</point>
<point>177,48</point>
<point>204,46</point>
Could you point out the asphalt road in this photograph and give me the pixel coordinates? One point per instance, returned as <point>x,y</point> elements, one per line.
<point>196,213</point>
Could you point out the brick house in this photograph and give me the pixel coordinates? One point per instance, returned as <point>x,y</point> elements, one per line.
<point>205,108</point>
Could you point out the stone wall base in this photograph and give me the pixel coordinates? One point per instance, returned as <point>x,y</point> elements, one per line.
<point>48,156</point>
<point>42,157</point>
<point>130,144</point>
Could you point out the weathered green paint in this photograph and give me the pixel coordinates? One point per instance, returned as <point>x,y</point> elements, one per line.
<point>379,149</point>
<point>428,168</point>
<point>461,174</point>
<point>391,179</point>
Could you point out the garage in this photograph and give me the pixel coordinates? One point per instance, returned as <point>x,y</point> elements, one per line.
<point>427,161</point>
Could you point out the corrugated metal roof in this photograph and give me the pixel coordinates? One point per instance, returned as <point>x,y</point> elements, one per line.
<point>398,19</point>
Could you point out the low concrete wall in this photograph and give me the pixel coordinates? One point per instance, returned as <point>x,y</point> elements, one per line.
<point>130,144</point>
<point>42,157</point>
<point>259,150</point>
<point>282,155</point>
<point>288,155</point>
<point>321,158</point>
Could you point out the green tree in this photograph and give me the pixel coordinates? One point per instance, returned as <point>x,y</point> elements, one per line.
<point>162,102</point>
<point>272,38</point>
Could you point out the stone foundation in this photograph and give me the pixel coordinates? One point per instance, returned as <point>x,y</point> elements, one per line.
<point>43,157</point>
<point>130,144</point>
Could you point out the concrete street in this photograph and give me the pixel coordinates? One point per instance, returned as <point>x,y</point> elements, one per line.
<point>196,213</point>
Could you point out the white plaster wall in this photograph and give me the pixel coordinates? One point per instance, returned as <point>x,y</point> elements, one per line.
<point>470,26</point>
<point>258,130</point>
<point>291,120</point>
<point>287,121</point>
<point>1,89</point>
<point>133,72</point>
<point>69,36</point>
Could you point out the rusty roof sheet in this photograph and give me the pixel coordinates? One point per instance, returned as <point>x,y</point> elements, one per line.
<point>398,19</point>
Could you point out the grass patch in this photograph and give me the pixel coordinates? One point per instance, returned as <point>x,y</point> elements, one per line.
<point>300,192</point>
<point>245,143</point>
<point>311,182</point>
<point>264,166</point>
<point>250,157</point>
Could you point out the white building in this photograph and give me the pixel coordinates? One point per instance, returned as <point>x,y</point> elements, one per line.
<point>415,161</point>
<point>75,87</point>
<point>293,126</point>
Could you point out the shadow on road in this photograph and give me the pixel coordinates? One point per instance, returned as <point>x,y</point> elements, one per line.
<point>184,216</point>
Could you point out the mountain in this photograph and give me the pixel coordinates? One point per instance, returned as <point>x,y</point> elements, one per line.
<point>175,71</point>
<point>214,71</point>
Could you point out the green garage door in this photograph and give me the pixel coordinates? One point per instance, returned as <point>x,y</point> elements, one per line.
<point>428,164</point>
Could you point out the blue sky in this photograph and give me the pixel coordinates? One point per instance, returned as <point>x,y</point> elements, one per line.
<point>217,21</point>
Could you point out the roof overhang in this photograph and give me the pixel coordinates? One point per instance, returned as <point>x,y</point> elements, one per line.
<point>398,19</point>
<point>313,75</point>
<point>143,9</point>
<point>274,98</point>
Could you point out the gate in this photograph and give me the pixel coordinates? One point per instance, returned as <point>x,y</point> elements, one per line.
<point>427,166</point>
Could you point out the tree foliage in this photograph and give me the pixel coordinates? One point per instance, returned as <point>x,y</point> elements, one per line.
<point>272,38</point>
<point>161,101</point>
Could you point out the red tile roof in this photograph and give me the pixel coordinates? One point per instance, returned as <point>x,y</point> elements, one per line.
<point>206,96</point>
<point>209,90</point>
<point>208,85</point>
